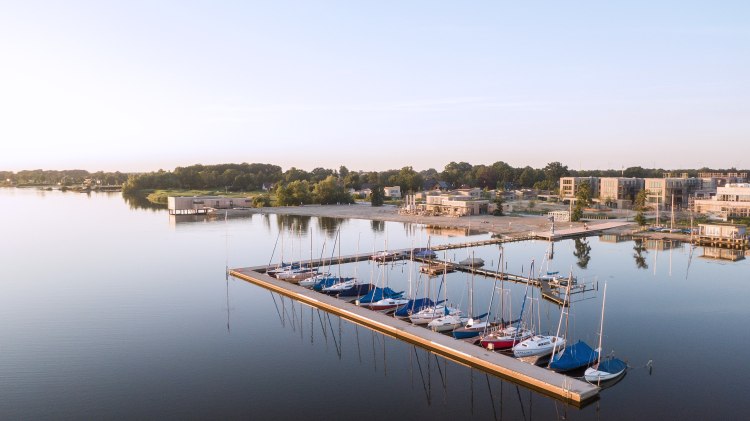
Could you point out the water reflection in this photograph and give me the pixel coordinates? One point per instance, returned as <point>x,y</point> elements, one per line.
<point>136,202</point>
<point>452,231</point>
<point>377,226</point>
<point>329,225</point>
<point>731,255</point>
<point>640,249</point>
<point>582,252</point>
<point>438,381</point>
<point>661,244</point>
<point>293,223</point>
<point>614,238</point>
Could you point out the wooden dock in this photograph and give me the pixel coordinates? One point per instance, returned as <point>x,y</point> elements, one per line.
<point>553,384</point>
<point>548,292</point>
<point>579,231</point>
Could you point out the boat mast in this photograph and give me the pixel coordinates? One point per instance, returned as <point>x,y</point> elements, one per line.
<point>601,327</point>
<point>566,312</point>
<point>471,290</point>
<point>671,222</point>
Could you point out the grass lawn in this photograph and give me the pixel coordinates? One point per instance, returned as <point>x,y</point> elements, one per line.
<point>160,196</point>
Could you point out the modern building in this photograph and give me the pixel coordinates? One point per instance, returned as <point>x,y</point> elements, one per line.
<point>202,204</point>
<point>392,192</point>
<point>662,191</point>
<point>559,216</point>
<point>732,200</point>
<point>474,193</point>
<point>717,179</point>
<point>455,205</point>
<point>721,231</point>
<point>569,187</point>
<point>619,192</point>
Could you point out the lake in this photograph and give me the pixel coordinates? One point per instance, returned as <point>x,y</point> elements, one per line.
<point>113,309</point>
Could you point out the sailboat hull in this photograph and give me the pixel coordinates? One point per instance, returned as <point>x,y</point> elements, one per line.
<point>504,340</point>
<point>606,370</point>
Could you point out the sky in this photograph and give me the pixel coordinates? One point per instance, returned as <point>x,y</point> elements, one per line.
<point>374,85</point>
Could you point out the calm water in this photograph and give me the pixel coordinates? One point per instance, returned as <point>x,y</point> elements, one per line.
<point>111,310</point>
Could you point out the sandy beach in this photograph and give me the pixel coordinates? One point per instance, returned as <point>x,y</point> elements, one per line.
<point>505,225</point>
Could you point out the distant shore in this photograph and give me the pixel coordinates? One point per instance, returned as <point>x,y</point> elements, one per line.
<point>502,225</point>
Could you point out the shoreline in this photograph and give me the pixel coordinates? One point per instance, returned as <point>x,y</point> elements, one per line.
<point>498,225</point>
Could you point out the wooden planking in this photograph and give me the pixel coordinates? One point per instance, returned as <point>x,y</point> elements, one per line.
<point>548,382</point>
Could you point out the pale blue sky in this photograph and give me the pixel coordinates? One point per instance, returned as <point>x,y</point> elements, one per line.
<point>374,85</point>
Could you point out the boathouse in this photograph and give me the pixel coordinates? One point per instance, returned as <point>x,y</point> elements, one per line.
<point>728,235</point>
<point>202,204</point>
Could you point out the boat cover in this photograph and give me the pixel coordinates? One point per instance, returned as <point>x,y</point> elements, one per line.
<point>612,365</point>
<point>414,306</point>
<point>574,356</point>
<point>378,294</point>
<point>328,282</point>
<point>356,290</point>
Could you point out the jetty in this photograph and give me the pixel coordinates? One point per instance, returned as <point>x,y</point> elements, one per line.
<point>550,383</point>
<point>559,234</point>
<point>549,292</point>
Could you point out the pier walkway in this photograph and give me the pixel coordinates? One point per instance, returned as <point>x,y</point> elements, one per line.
<point>553,384</point>
<point>579,231</point>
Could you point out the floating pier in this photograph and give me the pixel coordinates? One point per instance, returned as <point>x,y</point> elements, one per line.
<point>549,292</point>
<point>553,384</point>
<point>560,234</point>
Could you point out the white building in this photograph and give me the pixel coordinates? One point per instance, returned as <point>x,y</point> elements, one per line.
<point>201,204</point>
<point>393,192</point>
<point>730,200</point>
<point>455,205</point>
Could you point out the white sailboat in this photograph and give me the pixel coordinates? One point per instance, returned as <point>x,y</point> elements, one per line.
<point>610,368</point>
<point>541,345</point>
<point>429,314</point>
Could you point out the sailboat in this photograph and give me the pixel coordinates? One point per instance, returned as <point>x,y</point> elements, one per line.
<point>506,337</point>
<point>474,262</point>
<point>612,367</point>
<point>573,356</point>
<point>542,345</point>
<point>474,328</point>
<point>554,278</point>
<point>429,314</point>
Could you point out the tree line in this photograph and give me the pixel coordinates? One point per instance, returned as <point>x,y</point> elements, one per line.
<point>63,177</point>
<point>254,177</point>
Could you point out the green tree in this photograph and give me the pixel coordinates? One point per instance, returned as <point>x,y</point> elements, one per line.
<point>330,191</point>
<point>294,193</point>
<point>528,177</point>
<point>640,207</point>
<point>261,201</point>
<point>582,252</point>
<point>499,203</point>
<point>377,196</point>
<point>583,199</point>
<point>408,179</point>
<point>352,181</point>
<point>294,174</point>
<point>553,172</point>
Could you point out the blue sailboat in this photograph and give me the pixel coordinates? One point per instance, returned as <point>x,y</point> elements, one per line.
<point>377,294</point>
<point>356,290</point>
<point>328,282</point>
<point>415,305</point>
<point>424,253</point>
<point>608,369</point>
<point>573,356</point>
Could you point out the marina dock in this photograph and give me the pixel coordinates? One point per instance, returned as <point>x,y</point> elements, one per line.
<point>553,384</point>
<point>560,234</point>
